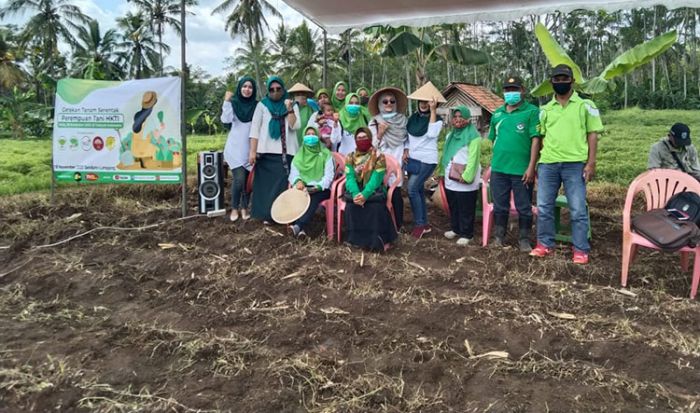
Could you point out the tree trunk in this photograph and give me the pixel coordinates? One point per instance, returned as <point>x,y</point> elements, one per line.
<point>256,63</point>
<point>160,48</point>
<point>625,92</point>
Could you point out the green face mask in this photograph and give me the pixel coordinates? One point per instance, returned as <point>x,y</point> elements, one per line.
<point>310,140</point>
<point>512,98</point>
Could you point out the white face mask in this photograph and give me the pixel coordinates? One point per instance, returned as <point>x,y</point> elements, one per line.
<point>389,115</point>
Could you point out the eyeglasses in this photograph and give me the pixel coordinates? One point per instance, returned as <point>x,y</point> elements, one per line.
<point>275,89</point>
<point>389,102</point>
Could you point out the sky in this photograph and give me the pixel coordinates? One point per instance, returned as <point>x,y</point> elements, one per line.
<point>208,43</point>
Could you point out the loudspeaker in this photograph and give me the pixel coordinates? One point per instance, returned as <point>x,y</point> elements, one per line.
<point>210,178</point>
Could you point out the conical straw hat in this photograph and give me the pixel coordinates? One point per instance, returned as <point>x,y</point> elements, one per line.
<point>401,101</point>
<point>427,92</point>
<point>300,88</point>
<point>290,205</point>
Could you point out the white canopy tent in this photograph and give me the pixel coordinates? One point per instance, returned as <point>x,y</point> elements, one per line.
<point>337,16</point>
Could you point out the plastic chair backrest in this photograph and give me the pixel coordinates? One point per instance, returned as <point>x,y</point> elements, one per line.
<point>339,164</point>
<point>658,186</point>
<point>393,168</point>
<point>485,187</point>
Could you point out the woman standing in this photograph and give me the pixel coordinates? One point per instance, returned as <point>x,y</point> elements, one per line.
<point>423,130</point>
<point>461,165</point>
<point>312,171</point>
<point>388,106</point>
<point>238,110</point>
<point>273,143</point>
<point>369,224</point>
<point>350,119</point>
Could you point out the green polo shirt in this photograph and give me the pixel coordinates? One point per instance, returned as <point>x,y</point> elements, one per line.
<point>512,135</point>
<point>565,129</point>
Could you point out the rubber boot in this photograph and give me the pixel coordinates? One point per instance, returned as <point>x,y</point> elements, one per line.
<point>525,227</point>
<point>500,226</point>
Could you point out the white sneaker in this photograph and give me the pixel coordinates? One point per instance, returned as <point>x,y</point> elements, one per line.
<point>245,215</point>
<point>450,235</point>
<point>234,215</point>
<point>463,242</point>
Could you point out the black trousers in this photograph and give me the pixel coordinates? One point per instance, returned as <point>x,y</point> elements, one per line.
<point>397,203</point>
<point>462,212</point>
<point>316,199</point>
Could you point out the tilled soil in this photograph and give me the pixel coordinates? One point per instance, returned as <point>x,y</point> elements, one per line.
<point>205,315</point>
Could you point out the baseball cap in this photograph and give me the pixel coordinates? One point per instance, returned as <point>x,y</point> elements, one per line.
<point>681,134</point>
<point>512,81</point>
<point>562,70</point>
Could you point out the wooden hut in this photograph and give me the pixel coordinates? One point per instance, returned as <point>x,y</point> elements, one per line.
<point>480,101</point>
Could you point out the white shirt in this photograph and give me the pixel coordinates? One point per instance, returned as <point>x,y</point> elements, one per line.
<point>325,181</point>
<point>238,141</point>
<point>260,131</point>
<point>344,138</point>
<point>425,148</point>
<point>462,157</point>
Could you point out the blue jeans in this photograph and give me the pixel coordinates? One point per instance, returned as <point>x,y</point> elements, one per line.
<point>416,193</point>
<point>239,195</point>
<point>550,177</point>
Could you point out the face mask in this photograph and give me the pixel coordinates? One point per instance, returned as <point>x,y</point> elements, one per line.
<point>364,145</point>
<point>561,88</point>
<point>512,98</point>
<point>310,140</point>
<point>364,100</point>
<point>353,109</point>
<point>389,115</point>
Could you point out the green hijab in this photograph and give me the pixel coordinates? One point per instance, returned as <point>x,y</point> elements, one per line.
<point>322,91</point>
<point>337,103</point>
<point>276,108</point>
<point>311,160</point>
<point>458,138</point>
<point>305,113</point>
<point>350,123</point>
<point>244,107</point>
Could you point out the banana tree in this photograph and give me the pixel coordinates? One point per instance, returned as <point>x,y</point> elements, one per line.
<point>625,63</point>
<point>424,45</point>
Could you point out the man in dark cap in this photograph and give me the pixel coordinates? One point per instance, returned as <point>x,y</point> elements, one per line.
<point>675,151</point>
<point>516,147</point>
<point>569,126</point>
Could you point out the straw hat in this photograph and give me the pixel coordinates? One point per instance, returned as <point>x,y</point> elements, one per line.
<point>149,99</point>
<point>401,100</point>
<point>427,92</point>
<point>300,88</point>
<point>290,205</point>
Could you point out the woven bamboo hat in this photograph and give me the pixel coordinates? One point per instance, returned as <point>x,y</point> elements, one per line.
<point>401,100</point>
<point>300,88</point>
<point>290,205</point>
<point>427,92</point>
<point>149,99</point>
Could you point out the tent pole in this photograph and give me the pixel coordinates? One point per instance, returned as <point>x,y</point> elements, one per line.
<point>183,129</point>
<point>325,59</point>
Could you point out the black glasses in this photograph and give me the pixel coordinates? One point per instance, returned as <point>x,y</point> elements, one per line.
<point>275,89</point>
<point>387,102</point>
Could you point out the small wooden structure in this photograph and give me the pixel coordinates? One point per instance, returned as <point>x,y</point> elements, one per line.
<point>480,101</point>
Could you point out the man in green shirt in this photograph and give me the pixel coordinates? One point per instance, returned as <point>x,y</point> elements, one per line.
<point>569,126</point>
<point>516,146</point>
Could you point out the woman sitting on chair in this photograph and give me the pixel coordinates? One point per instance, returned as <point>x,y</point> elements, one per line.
<point>369,223</point>
<point>313,171</point>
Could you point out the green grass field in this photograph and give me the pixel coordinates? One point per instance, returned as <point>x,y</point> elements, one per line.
<point>622,151</point>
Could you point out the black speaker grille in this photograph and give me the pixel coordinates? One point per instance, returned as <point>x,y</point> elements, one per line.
<point>209,190</point>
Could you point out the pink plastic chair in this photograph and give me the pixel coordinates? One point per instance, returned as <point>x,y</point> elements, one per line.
<point>487,218</point>
<point>393,168</point>
<point>329,204</point>
<point>658,186</point>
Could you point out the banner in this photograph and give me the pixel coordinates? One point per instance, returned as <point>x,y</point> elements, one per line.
<point>118,132</point>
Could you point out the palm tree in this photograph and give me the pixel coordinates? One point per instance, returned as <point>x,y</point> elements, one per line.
<point>53,21</point>
<point>307,58</point>
<point>95,53</point>
<point>162,14</point>
<point>138,45</point>
<point>282,50</point>
<point>247,18</point>
<point>11,74</point>
<point>250,58</point>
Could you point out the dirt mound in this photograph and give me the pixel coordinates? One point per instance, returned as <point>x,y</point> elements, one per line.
<point>205,315</point>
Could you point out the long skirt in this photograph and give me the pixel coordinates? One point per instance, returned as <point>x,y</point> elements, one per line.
<point>369,226</point>
<point>269,181</point>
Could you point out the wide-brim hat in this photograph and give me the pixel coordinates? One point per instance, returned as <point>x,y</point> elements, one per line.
<point>300,88</point>
<point>149,99</point>
<point>427,92</point>
<point>290,205</point>
<point>401,100</point>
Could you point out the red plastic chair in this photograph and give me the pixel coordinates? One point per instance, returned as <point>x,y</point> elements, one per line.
<point>393,168</point>
<point>487,217</point>
<point>658,186</point>
<point>329,204</point>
